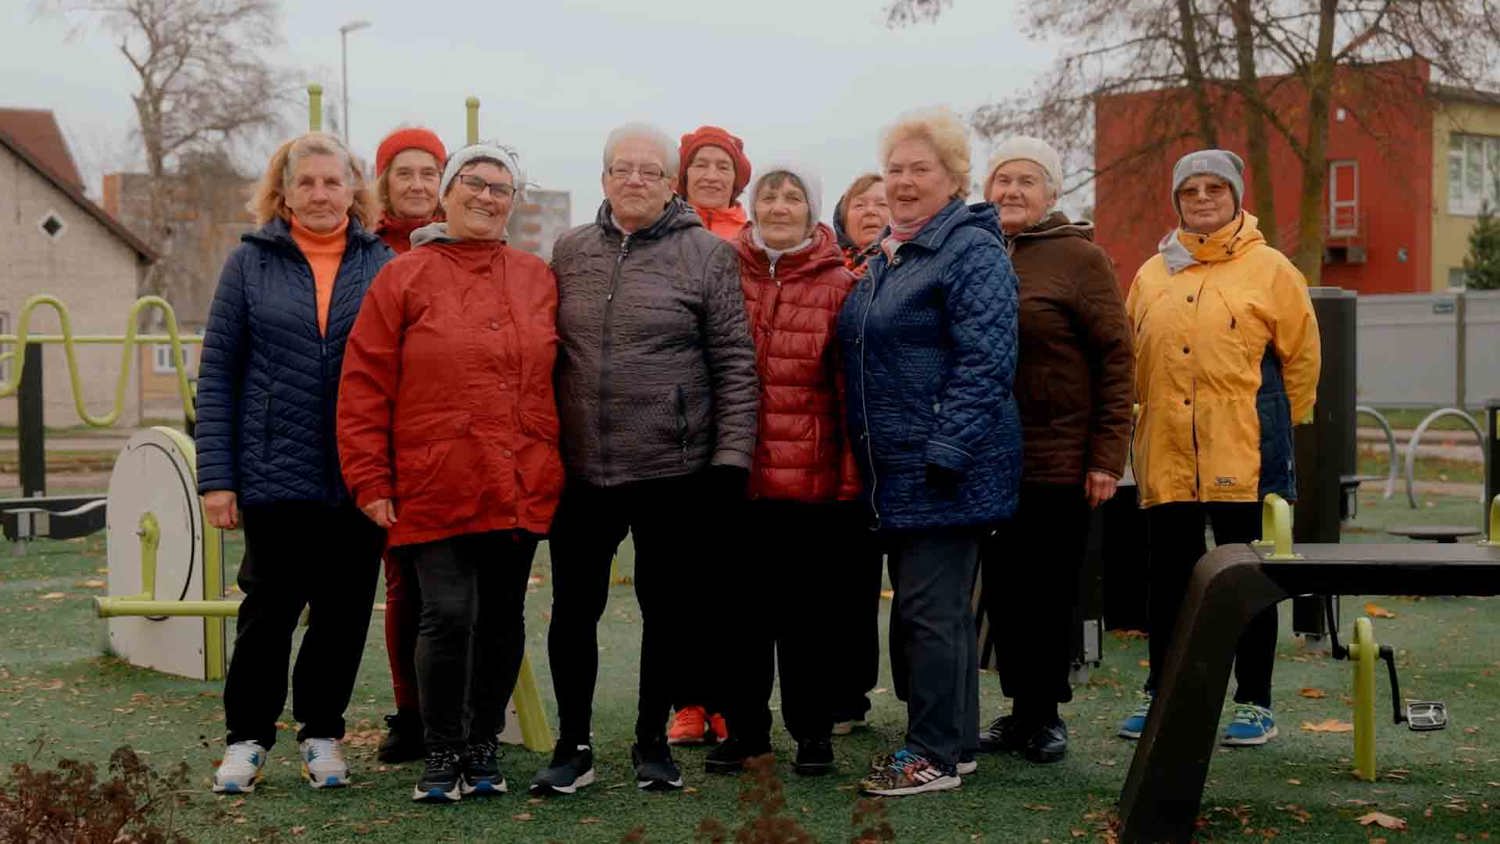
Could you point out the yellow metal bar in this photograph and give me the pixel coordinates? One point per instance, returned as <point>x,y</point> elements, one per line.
<point>212,547</point>
<point>535,733</point>
<point>1493,537</point>
<point>132,605</point>
<point>1365,652</point>
<point>471,106</point>
<point>129,343</point>
<point>315,107</point>
<point>150,534</point>
<point>1276,528</point>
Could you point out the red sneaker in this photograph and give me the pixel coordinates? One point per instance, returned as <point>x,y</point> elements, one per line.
<point>688,726</point>
<point>720,728</point>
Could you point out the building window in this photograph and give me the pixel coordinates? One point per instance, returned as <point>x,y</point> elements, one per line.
<point>52,225</point>
<point>1457,278</point>
<point>161,362</point>
<point>1473,173</point>
<point>1343,198</point>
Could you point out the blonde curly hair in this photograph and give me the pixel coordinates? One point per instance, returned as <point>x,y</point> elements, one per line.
<point>269,201</point>
<point>944,130</point>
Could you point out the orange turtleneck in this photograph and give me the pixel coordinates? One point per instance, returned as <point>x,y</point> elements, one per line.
<point>324,252</point>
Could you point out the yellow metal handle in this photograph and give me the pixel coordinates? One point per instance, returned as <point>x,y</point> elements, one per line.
<point>130,342</point>
<point>1365,652</point>
<point>471,106</point>
<point>315,107</point>
<point>1493,537</point>
<point>1276,528</point>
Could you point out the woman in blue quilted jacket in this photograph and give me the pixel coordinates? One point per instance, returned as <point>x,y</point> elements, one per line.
<point>929,340</point>
<point>267,460</point>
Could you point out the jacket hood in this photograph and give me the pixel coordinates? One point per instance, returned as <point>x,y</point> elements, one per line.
<point>845,241</point>
<point>677,214</point>
<point>1056,224</point>
<point>438,233</point>
<point>1182,249</point>
<point>278,232</point>
<point>819,255</point>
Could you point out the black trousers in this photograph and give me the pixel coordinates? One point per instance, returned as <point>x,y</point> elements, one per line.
<point>674,573</point>
<point>1032,565</point>
<point>775,616</point>
<point>300,555</point>
<point>1175,534</point>
<point>472,633</point>
<point>857,564</point>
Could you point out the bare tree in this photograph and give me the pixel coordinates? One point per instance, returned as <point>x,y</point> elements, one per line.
<point>205,85</point>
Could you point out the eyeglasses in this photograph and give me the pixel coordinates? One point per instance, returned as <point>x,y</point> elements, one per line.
<point>648,172</point>
<point>1212,191</point>
<point>498,190</point>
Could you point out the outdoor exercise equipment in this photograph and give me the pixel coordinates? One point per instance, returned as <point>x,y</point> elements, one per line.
<point>1231,585</point>
<point>1390,445</point>
<point>1416,436</point>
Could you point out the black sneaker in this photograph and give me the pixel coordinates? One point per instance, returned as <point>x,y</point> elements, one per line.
<point>572,768</point>
<point>482,770</point>
<point>442,781</point>
<point>729,757</point>
<point>403,739</point>
<point>654,768</point>
<point>814,758</point>
<point>1047,743</point>
<point>1003,735</point>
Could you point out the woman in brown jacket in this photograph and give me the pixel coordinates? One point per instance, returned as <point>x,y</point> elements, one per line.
<point>1073,385</point>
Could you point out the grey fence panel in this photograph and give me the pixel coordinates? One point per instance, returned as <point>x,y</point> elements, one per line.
<point>1481,347</point>
<point>1408,350</point>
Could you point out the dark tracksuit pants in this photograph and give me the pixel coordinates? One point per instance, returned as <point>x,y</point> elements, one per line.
<point>858,567</point>
<point>673,571</point>
<point>775,617</point>
<point>300,554</point>
<point>472,635</point>
<point>403,618</point>
<point>1176,542</point>
<point>1032,566</point>
<point>933,573</point>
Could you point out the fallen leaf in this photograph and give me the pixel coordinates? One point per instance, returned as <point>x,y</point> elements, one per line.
<point>298,830</point>
<point>1144,663</point>
<point>1377,611</point>
<point>1128,634</point>
<point>587,821</point>
<point>1331,725</point>
<point>1381,819</point>
<point>1294,782</point>
<point>90,584</point>
<point>1312,693</point>
<point>53,596</point>
<point>1036,807</point>
<point>522,816</point>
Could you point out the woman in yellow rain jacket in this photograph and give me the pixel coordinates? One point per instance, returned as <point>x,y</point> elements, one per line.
<point>1226,359</point>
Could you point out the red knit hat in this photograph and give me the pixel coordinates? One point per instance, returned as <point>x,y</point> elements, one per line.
<point>404,139</point>
<point>713,136</point>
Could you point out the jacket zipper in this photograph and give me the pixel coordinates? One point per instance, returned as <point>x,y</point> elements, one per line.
<point>604,351</point>
<point>864,409</point>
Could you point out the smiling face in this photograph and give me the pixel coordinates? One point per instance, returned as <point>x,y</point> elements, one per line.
<point>710,178</point>
<point>478,214</point>
<point>917,185</point>
<point>412,184</point>
<point>635,197</point>
<point>867,215</point>
<point>781,212</point>
<point>320,192</point>
<point>1020,191</point>
<point>1206,203</point>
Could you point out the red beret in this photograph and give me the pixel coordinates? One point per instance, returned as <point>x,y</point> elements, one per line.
<point>404,139</point>
<point>713,136</point>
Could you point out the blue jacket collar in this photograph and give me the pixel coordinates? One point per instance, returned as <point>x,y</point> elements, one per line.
<point>278,232</point>
<point>954,216</point>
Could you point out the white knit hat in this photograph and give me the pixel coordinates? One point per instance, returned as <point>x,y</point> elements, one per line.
<point>811,185</point>
<point>484,149</point>
<point>1025,148</point>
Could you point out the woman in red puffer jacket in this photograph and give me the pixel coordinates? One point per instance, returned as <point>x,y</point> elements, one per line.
<point>794,280</point>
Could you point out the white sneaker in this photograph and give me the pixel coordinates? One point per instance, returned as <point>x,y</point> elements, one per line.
<point>323,763</point>
<point>241,768</point>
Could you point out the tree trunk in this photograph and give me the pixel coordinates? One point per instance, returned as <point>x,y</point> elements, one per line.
<point>1309,254</point>
<point>1192,63</point>
<point>1257,145</point>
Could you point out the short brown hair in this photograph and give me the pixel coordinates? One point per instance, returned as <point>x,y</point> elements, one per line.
<point>269,201</point>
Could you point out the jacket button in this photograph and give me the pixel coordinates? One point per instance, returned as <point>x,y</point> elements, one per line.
<point>494,325</point>
<point>1187,401</point>
<point>502,385</point>
<point>508,453</point>
<point>1184,351</point>
<point>1190,297</point>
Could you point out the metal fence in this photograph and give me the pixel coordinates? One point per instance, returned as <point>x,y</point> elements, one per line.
<point>1429,350</point>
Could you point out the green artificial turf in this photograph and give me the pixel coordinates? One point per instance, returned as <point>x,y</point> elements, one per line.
<point>60,698</point>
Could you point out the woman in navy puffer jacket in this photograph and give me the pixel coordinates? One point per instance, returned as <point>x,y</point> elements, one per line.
<point>929,337</point>
<point>267,400</point>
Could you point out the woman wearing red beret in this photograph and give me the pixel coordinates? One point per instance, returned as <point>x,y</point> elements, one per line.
<point>713,173</point>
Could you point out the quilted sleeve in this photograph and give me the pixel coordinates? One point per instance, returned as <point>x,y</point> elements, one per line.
<point>981,302</point>
<point>221,374</point>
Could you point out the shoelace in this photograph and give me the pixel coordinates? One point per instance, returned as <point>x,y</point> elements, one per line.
<point>1247,715</point>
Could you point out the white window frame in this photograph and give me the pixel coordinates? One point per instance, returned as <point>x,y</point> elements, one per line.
<point>1460,200</point>
<point>161,358</point>
<point>1334,203</point>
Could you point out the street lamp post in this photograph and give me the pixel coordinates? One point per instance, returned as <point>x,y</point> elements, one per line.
<point>351,26</point>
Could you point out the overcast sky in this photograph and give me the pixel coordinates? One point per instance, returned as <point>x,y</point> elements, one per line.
<point>815,79</point>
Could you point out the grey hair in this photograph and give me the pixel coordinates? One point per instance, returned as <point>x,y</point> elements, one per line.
<point>319,143</point>
<point>647,132</point>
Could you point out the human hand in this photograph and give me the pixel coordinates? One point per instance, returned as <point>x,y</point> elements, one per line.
<point>1099,487</point>
<point>222,508</point>
<point>382,511</point>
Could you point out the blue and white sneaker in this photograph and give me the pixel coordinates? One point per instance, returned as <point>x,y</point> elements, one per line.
<point>1252,725</point>
<point>443,779</point>
<point>323,763</point>
<point>482,769</point>
<point>241,769</point>
<point>1135,723</point>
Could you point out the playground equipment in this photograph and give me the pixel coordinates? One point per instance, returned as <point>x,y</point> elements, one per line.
<point>1231,585</point>
<point>1416,436</point>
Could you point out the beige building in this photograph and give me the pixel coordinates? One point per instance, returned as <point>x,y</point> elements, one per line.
<point>1466,174</point>
<point>55,240</point>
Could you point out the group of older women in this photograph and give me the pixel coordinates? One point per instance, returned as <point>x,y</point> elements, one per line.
<point>768,405</point>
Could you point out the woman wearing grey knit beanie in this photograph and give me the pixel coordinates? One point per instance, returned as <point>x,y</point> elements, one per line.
<point>1227,360</point>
